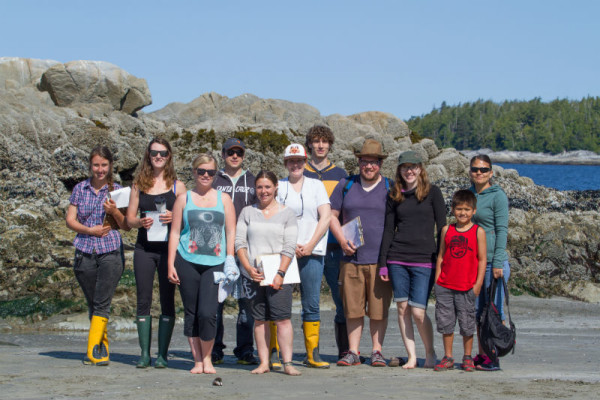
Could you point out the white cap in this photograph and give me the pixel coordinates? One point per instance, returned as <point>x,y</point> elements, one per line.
<point>294,150</point>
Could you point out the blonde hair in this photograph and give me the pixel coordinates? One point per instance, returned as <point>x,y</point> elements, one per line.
<point>203,159</point>
<point>423,185</point>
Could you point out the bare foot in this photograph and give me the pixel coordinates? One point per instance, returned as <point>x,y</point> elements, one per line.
<point>208,368</point>
<point>289,369</point>
<point>198,368</point>
<point>261,369</point>
<point>430,361</point>
<point>410,363</point>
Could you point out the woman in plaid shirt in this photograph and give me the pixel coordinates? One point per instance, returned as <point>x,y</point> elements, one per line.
<point>98,264</point>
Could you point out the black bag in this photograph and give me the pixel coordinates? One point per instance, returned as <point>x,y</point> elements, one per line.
<point>497,339</point>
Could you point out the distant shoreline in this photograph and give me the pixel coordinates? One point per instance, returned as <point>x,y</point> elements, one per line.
<point>578,157</point>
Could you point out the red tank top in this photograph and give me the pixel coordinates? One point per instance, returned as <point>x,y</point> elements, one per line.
<point>459,267</point>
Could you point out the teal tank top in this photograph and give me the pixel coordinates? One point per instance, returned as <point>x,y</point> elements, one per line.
<point>202,240</point>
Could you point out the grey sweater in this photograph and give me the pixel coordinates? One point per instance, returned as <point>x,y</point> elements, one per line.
<point>259,235</point>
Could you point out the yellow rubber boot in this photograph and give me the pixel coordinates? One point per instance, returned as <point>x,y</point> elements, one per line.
<point>274,361</point>
<point>96,352</point>
<point>105,342</point>
<point>311,341</point>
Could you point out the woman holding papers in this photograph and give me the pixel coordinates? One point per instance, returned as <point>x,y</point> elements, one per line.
<point>415,211</point>
<point>154,191</point>
<point>308,198</point>
<point>98,263</point>
<point>268,228</point>
<point>201,242</point>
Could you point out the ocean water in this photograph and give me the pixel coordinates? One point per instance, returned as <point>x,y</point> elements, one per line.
<point>561,177</point>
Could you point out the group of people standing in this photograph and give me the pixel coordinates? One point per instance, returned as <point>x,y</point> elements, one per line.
<point>219,230</point>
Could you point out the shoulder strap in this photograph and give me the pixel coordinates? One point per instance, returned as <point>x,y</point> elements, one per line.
<point>387,184</point>
<point>351,180</point>
<point>175,187</point>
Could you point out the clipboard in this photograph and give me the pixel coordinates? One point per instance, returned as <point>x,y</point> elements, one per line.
<point>268,264</point>
<point>353,232</point>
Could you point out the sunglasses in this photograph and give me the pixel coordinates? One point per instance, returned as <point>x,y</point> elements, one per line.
<point>238,152</point>
<point>202,171</point>
<point>163,153</point>
<point>483,170</point>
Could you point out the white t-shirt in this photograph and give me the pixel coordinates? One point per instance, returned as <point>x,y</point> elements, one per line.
<point>305,204</point>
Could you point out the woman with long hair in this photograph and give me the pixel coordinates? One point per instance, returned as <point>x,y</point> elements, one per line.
<point>492,216</point>
<point>415,212</point>
<point>98,262</point>
<point>268,227</point>
<point>201,242</point>
<point>155,188</point>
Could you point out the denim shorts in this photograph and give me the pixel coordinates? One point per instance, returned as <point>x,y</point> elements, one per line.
<point>412,284</point>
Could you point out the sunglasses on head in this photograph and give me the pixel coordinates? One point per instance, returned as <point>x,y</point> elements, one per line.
<point>163,153</point>
<point>202,171</point>
<point>238,152</point>
<point>483,170</point>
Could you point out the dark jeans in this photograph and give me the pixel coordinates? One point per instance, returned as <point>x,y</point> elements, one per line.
<point>98,276</point>
<point>199,294</point>
<point>145,264</point>
<point>243,330</point>
<point>331,271</point>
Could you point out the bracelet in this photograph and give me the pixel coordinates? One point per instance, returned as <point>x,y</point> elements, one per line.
<point>281,273</point>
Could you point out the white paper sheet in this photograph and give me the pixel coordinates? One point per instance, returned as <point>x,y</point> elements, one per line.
<point>121,196</point>
<point>306,230</point>
<point>270,265</point>
<point>158,232</point>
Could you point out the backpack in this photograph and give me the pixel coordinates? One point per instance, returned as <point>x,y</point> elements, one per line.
<point>354,178</point>
<point>497,340</point>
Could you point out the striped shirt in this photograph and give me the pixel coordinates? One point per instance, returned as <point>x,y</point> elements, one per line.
<point>90,212</point>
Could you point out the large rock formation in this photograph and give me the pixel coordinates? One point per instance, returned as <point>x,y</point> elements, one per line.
<point>49,121</point>
<point>89,82</point>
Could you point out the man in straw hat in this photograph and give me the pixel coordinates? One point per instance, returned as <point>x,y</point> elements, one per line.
<point>363,291</point>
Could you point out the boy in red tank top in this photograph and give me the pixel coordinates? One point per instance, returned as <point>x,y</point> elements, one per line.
<point>459,273</point>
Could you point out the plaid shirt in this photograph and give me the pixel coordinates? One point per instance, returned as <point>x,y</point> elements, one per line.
<point>90,212</point>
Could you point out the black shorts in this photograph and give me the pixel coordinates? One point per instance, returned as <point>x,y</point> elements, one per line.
<point>266,303</point>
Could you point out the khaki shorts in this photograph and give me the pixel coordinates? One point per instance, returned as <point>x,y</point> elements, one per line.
<point>363,291</point>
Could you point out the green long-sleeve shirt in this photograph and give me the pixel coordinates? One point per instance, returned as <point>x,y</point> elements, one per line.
<point>492,216</point>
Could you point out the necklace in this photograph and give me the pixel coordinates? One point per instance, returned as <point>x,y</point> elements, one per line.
<point>269,208</point>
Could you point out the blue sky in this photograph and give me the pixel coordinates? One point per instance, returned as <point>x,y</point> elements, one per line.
<point>402,57</point>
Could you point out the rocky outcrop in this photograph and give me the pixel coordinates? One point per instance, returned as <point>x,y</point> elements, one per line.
<point>553,240</point>
<point>90,82</point>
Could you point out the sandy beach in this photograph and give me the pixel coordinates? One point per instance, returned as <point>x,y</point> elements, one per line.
<point>557,353</point>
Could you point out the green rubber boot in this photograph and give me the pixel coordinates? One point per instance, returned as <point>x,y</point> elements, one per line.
<point>144,328</point>
<point>165,330</point>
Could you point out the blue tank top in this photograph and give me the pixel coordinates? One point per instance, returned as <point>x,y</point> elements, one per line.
<point>202,240</point>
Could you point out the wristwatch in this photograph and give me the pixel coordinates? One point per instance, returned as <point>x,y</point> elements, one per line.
<point>281,273</point>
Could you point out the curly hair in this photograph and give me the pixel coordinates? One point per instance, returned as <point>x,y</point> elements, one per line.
<point>144,179</point>
<point>423,185</point>
<point>104,152</point>
<point>319,132</point>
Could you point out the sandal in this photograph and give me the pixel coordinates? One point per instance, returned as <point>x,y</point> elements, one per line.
<point>293,372</point>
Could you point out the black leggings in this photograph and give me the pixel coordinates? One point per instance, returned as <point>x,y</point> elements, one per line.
<point>199,294</point>
<point>145,264</point>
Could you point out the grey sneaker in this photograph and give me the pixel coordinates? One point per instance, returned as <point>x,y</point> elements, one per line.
<point>350,358</point>
<point>377,359</point>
